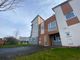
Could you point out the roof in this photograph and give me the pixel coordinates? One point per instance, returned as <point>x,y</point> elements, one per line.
<point>37,17</point>
<point>50,17</point>
<point>61,4</point>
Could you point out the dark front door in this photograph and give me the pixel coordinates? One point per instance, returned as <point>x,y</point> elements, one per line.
<point>55,38</point>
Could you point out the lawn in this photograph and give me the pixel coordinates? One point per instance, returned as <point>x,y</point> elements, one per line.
<point>53,54</point>
<point>14,45</point>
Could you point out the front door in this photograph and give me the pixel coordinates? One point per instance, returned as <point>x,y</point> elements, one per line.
<point>55,39</point>
<point>45,40</point>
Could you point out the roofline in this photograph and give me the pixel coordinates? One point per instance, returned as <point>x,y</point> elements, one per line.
<point>61,4</point>
<point>36,17</point>
<point>50,17</point>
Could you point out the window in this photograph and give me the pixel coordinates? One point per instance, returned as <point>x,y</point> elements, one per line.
<point>52,26</point>
<point>71,18</point>
<point>70,15</point>
<point>42,28</point>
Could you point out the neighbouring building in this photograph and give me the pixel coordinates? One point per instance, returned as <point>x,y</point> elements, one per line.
<point>2,41</point>
<point>23,40</point>
<point>68,20</point>
<point>34,38</point>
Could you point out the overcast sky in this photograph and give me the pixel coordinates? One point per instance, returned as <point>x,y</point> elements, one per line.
<point>20,18</point>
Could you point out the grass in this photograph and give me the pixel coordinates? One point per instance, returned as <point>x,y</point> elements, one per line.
<point>13,46</point>
<point>54,54</point>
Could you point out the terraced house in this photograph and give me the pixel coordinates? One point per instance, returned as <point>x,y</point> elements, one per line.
<point>63,28</point>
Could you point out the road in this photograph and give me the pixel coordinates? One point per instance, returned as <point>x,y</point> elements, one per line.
<point>8,53</point>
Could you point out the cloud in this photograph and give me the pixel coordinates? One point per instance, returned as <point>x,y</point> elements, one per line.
<point>20,18</point>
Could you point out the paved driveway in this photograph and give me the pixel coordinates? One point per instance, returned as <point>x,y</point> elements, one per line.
<point>8,53</point>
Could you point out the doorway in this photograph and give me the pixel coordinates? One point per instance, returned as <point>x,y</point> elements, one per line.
<point>55,39</point>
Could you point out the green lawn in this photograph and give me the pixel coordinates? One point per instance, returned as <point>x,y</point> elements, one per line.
<point>54,54</point>
<point>13,46</point>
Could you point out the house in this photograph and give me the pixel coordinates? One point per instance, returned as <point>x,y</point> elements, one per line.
<point>68,20</point>
<point>2,42</point>
<point>23,40</point>
<point>35,29</point>
<point>61,29</point>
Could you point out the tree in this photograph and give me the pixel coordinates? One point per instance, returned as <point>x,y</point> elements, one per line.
<point>8,4</point>
<point>11,40</point>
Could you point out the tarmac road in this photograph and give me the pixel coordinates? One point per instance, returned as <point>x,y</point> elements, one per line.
<point>8,53</point>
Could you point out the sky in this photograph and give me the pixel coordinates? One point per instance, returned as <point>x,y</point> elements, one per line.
<point>19,19</point>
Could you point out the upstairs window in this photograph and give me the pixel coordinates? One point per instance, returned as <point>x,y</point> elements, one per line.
<point>70,15</point>
<point>71,18</point>
<point>52,26</point>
